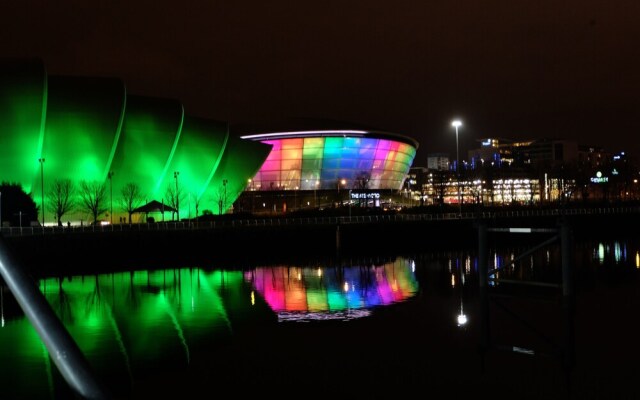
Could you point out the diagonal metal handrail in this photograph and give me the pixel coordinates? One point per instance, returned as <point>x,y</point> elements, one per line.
<point>63,350</point>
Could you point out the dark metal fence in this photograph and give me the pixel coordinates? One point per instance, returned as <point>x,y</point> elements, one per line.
<point>320,220</point>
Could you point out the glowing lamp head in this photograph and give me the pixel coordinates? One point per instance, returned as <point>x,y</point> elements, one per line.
<point>457,123</point>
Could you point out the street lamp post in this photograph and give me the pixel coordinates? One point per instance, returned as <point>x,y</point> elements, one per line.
<point>110,176</point>
<point>175,175</point>
<point>340,182</point>
<point>224,197</point>
<point>41,160</point>
<point>456,124</point>
<point>252,194</point>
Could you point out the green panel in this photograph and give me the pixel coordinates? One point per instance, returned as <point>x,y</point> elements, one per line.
<point>150,131</point>
<point>197,155</point>
<point>84,118</point>
<point>333,145</point>
<point>23,99</point>
<point>83,121</point>
<point>88,129</point>
<point>240,162</point>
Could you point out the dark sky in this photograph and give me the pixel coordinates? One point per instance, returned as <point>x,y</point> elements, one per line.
<point>516,69</point>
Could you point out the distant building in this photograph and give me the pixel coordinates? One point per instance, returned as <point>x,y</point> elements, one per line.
<point>536,152</point>
<point>593,156</point>
<point>438,161</point>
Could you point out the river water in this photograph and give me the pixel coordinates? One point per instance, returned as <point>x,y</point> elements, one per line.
<point>407,325</point>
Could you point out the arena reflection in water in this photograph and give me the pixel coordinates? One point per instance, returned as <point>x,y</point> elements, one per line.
<point>333,293</point>
<point>130,322</point>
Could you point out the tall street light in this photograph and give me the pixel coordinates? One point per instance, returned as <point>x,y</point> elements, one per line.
<point>252,194</point>
<point>456,124</point>
<point>340,182</point>
<point>224,198</point>
<point>41,160</point>
<point>175,176</point>
<point>110,176</point>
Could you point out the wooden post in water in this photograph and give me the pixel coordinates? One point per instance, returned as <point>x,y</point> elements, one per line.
<point>568,300</point>
<point>338,238</point>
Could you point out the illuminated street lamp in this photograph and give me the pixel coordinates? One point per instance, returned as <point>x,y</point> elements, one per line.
<point>110,176</point>
<point>41,160</point>
<point>456,124</point>
<point>250,181</point>
<point>224,198</point>
<point>341,182</point>
<point>175,176</point>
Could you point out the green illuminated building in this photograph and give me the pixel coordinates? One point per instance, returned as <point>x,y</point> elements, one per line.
<point>89,129</point>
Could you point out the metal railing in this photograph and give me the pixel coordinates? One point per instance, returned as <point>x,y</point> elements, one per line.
<point>320,220</point>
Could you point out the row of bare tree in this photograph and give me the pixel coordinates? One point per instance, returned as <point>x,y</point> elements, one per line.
<point>65,197</point>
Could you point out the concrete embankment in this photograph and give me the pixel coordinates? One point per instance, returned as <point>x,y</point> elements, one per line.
<point>75,252</point>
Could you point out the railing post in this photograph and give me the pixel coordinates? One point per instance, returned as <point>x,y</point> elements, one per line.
<point>338,238</point>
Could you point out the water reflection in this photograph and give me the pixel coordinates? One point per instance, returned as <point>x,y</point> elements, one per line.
<point>131,322</point>
<point>616,250</point>
<point>316,293</point>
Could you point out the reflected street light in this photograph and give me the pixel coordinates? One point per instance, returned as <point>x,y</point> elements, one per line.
<point>456,124</point>
<point>41,160</point>
<point>462,317</point>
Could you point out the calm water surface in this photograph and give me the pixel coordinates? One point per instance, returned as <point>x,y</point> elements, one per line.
<point>405,325</point>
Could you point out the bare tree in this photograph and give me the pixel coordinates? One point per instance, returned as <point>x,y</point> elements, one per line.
<point>61,198</point>
<point>173,198</point>
<point>131,198</point>
<point>92,197</point>
<point>197,204</point>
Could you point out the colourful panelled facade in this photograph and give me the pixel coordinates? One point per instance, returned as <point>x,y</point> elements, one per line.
<point>332,159</point>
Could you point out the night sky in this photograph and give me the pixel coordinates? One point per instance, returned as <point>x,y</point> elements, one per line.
<point>517,69</point>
